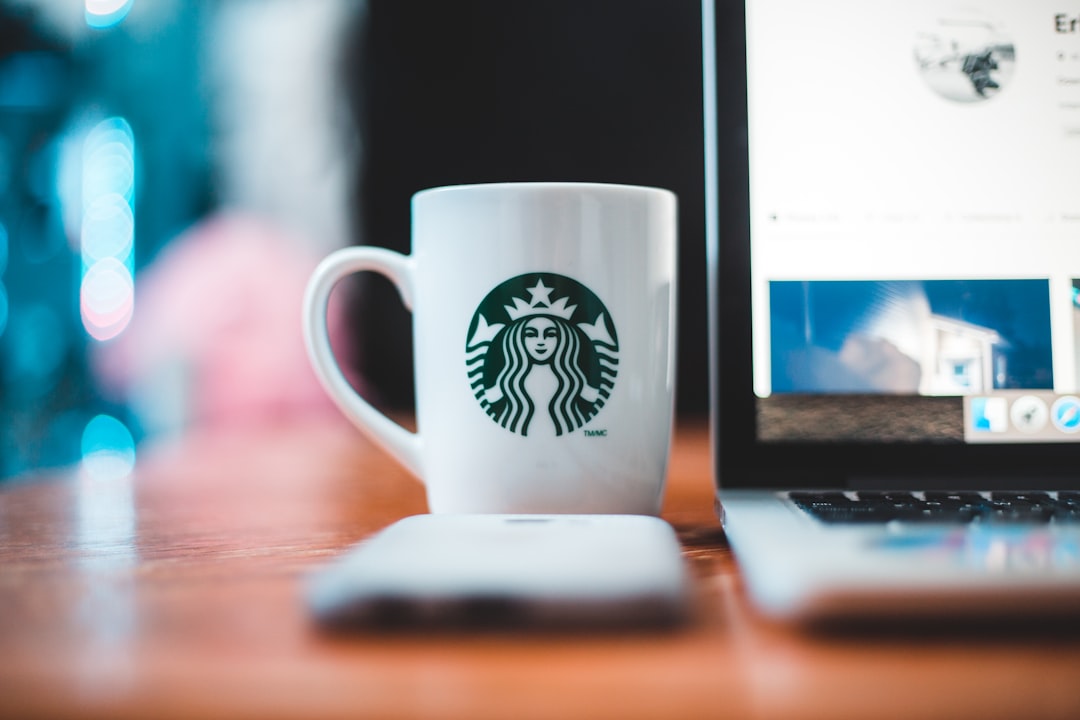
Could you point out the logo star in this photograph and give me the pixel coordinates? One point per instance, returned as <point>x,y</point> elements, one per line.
<point>540,293</point>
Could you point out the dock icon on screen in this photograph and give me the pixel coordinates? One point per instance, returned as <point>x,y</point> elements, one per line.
<point>989,414</point>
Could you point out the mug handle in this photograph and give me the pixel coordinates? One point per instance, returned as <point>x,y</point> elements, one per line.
<point>403,445</point>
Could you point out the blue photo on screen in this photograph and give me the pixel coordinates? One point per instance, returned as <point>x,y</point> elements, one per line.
<point>922,337</point>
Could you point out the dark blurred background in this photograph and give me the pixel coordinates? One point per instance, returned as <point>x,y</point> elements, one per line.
<point>170,172</point>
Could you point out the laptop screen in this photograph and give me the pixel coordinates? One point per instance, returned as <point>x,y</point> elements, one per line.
<point>897,212</point>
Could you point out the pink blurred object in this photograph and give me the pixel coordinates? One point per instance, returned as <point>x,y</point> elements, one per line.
<point>215,337</point>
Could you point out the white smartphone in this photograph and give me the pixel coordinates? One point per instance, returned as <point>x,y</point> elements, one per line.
<point>507,571</point>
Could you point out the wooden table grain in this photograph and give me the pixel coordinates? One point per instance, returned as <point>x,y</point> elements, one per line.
<point>174,593</point>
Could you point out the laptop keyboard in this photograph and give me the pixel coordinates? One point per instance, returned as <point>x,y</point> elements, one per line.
<point>941,507</point>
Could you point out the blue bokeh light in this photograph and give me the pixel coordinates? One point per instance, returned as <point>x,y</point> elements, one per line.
<point>108,229</point>
<point>108,448</point>
<point>101,14</point>
<point>107,293</point>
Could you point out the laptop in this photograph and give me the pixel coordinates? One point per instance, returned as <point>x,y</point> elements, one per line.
<point>893,229</point>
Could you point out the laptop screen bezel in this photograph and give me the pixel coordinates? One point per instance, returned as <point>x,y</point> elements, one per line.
<point>741,459</point>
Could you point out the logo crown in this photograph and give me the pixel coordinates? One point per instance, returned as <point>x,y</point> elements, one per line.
<point>540,304</point>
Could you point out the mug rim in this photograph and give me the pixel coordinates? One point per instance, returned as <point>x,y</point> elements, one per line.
<point>543,185</point>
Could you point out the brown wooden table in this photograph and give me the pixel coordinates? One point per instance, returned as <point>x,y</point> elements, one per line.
<point>175,594</point>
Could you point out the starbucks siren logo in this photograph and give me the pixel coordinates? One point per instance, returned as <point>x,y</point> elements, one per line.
<point>541,354</point>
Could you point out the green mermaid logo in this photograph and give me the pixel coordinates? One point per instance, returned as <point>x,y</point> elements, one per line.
<point>541,354</point>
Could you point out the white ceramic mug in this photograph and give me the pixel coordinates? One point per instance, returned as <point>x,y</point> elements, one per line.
<point>544,346</point>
